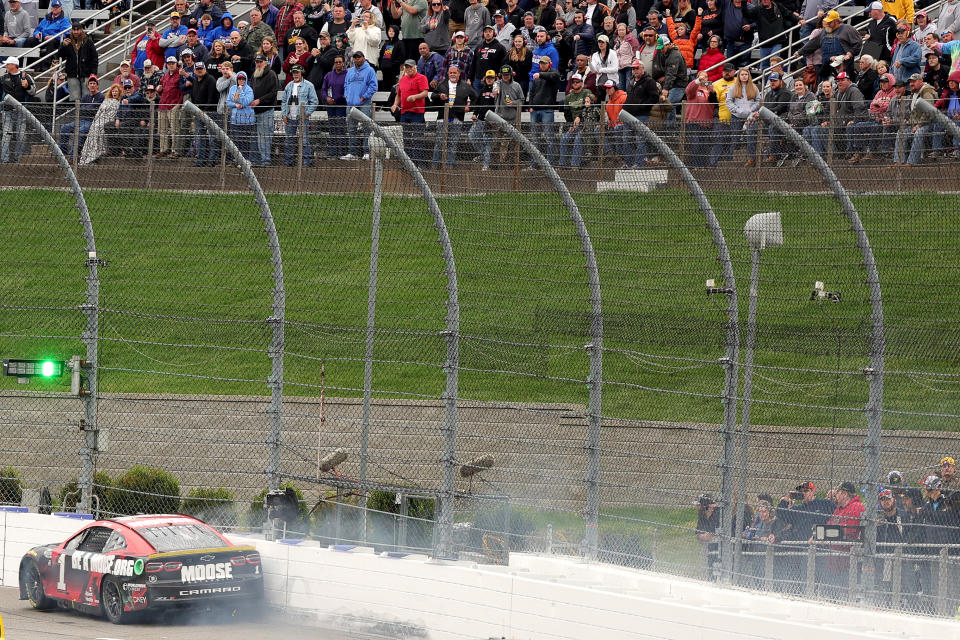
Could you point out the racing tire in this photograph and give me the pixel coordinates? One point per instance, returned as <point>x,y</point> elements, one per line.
<point>111,603</point>
<point>33,585</point>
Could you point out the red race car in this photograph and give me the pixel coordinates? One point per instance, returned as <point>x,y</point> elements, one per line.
<point>125,566</point>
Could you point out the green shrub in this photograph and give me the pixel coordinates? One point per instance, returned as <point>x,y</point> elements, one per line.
<point>257,513</point>
<point>493,521</point>
<point>422,508</point>
<point>69,494</point>
<point>213,506</point>
<point>11,490</point>
<point>144,489</point>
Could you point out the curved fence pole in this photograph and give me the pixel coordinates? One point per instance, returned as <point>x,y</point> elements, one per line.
<point>729,361</point>
<point>451,365</point>
<point>277,317</point>
<point>595,348</point>
<point>874,372</point>
<point>93,441</point>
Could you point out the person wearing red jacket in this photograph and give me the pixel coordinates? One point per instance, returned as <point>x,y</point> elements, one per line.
<point>171,99</point>
<point>712,57</point>
<point>847,515</point>
<point>701,104</point>
<point>147,47</point>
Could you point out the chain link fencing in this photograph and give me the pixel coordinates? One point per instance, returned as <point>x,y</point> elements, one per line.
<point>541,461</point>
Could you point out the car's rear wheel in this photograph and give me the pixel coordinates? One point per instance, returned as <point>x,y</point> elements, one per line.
<point>34,587</point>
<point>111,602</point>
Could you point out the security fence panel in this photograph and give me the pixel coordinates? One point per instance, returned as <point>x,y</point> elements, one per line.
<point>48,319</point>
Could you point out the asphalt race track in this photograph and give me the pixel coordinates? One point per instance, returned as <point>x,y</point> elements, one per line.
<point>21,622</point>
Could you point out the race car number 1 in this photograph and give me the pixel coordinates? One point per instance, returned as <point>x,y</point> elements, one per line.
<point>62,584</point>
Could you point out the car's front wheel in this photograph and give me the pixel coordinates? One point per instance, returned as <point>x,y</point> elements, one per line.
<point>30,575</point>
<point>111,602</point>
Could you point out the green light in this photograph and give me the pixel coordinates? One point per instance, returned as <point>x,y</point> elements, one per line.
<point>47,369</point>
<point>138,566</point>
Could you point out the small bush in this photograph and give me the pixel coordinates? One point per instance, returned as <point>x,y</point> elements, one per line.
<point>493,521</point>
<point>69,494</point>
<point>11,490</point>
<point>257,513</point>
<point>144,489</point>
<point>213,506</point>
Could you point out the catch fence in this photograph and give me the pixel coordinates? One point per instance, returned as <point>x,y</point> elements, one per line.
<point>463,346</point>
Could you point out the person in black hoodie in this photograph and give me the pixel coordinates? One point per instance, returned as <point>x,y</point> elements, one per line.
<point>454,92</point>
<point>204,94</point>
<point>543,97</point>
<point>79,57</point>
<point>489,56</point>
<point>642,94</point>
<point>265,85</point>
<point>391,58</point>
<point>485,102</point>
<point>130,113</point>
<point>320,62</point>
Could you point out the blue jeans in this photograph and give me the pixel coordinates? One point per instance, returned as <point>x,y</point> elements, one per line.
<point>66,132</point>
<point>938,135</point>
<point>14,132</point>
<point>736,47</point>
<point>290,140</point>
<point>817,137</point>
<point>208,149</point>
<point>625,77</point>
<point>337,140</point>
<point>356,132</point>
<point>571,147</point>
<point>245,137</point>
<point>917,141</point>
<point>265,125</point>
<point>478,138</point>
<point>413,125</point>
<point>541,122</point>
<point>768,51</point>
<point>699,138</point>
<point>675,96</point>
<point>454,129</point>
<point>858,136</point>
<point>749,134</point>
<point>722,145</point>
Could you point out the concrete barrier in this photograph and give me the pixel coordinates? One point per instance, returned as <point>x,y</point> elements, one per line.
<point>355,590</point>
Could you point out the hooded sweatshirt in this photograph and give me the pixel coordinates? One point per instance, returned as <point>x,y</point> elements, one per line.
<point>881,99</point>
<point>242,115</point>
<point>222,32</point>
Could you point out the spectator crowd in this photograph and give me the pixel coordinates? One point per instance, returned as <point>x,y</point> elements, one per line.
<point>917,523</point>
<point>676,64</point>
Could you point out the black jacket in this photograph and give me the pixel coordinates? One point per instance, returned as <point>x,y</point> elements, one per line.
<point>484,102</point>
<point>464,95</point>
<point>884,33</point>
<point>670,65</point>
<point>246,53</point>
<point>204,93</point>
<point>488,57</point>
<point>642,94</point>
<point>778,100</point>
<point>319,66</point>
<point>543,91</point>
<point>13,86</point>
<point>773,22</point>
<point>79,62</point>
<point>136,109</point>
<point>265,90</point>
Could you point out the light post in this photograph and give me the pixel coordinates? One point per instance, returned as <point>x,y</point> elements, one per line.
<point>762,230</point>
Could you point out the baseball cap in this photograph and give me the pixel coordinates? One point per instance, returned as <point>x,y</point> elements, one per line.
<point>894,478</point>
<point>151,87</point>
<point>538,29</point>
<point>506,69</point>
<point>171,58</point>
<point>576,76</point>
<point>260,58</point>
<point>193,31</point>
<point>884,493</point>
<point>174,14</point>
<point>609,84</point>
<point>876,6</point>
<point>296,67</point>
<point>832,16</point>
<point>488,26</point>
<point>843,76</point>
<point>847,487</point>
<point>603,38</point>
<point>947,460</point>
<point>900,83</point>
<point>56,3</point>
<point>499,14</point>
<point>806,486</point>
<point>636,63</point>
<point>409,62</point>
<point>11,60</point>
<point>490,74</point>
<point>729,66</point>
<point>128,83</point>
<point>186,52</point>
<point>775,76</point>
<point>199,65</point>
<point>705,500</point>
<point>151,22</point>
<point>94,78</point>
<point>459,34</point>
<point>884,78</point>
<point>359,54</point>
<point>148,62</point>
<point>125,63</point>
<point>545,59</point>
<point>932,483</point>
<point>902,27</point>
<point>915,76</point>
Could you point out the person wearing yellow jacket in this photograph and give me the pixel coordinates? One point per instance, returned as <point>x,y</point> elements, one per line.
<point>899,9</point>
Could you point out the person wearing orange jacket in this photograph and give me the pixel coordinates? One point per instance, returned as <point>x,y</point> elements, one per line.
<point>686,43</point>
<point>618,135</point>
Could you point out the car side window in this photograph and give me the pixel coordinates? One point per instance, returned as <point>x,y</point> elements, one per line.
<point>75,541</point>
<point>115,542</point>
<point>96,539</point>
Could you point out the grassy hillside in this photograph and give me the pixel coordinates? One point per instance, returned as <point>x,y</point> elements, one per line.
<point>188,288</point>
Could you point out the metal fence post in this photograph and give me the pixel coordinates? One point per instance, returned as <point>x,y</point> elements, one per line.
<point>594,349</point>
<point>875,374</point>
<point>896,578</point>
<point>729,361</point>
<point>76,134</point>
<point>93,440</point>
<point>943,582</point>
<point>278,308</point>
<point>152,124</point>
<point>810,589</point>
<point>444,530</point>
